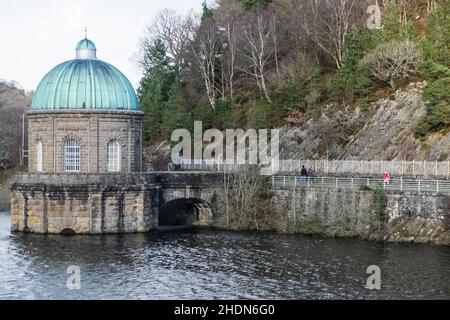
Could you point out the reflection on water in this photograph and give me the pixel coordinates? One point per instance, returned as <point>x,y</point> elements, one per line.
<point>211,264</point>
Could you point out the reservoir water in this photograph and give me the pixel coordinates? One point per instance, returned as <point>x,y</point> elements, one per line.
<point>212,264</point>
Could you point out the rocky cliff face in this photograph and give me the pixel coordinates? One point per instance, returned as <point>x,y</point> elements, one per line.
<point>384,133</point>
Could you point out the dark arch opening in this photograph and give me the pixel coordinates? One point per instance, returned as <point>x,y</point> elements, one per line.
<point>68,232</point>
<point>185,212</point>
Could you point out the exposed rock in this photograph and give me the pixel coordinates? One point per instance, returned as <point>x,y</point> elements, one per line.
<point>387,134</point>
<point>157,156</point>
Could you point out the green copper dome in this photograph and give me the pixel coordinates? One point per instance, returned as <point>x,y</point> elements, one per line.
<point>85,83</point>
<point>86,44</point>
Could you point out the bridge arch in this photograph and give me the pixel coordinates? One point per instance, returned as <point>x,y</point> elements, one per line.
<point>186,212</point>
<point>68,232</point>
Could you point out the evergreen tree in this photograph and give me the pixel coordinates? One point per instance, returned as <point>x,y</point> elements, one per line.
<point>391,26</point>
<point>154,89</point>
<point>436,67</point>
<point>207,12</point>
<point>436,46</point>
<point>174,115</point>
<point>249,4</point>
<point>351,79</point>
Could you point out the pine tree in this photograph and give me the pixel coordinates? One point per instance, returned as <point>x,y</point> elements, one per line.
<point>154,89</point>
<point>207,13</point>
<point>174,115</point>
<point>351,79</point>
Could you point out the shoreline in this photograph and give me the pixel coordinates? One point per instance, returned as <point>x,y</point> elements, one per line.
<point>377,236</point>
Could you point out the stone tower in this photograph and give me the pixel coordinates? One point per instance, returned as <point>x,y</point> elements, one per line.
<point>85,147</point>
<point>85,118</point>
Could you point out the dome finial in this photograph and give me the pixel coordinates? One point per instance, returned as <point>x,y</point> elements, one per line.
<point>86,49</point>
<point>85,32</point>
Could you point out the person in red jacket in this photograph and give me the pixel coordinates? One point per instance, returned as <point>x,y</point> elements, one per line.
<point>386,178</point>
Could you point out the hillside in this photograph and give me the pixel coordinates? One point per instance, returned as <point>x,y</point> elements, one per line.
<point>14,101</point>
<point>337,88</point>
<point>387,133</point>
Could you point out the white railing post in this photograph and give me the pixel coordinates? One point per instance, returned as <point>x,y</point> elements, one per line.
<point>401,183</point>
<point>424,168</point>
<point>273,181</point>
<point>284,181</point>
<point>419,185</point>
<point>337,183</point>
<point>437,186</point>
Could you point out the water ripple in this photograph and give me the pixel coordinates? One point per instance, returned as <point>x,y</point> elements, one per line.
<point>211,264</point>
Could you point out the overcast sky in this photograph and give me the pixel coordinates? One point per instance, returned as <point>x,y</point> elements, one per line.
<point>35,35</point>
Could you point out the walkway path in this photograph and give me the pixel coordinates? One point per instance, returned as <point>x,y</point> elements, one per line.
<point>397,184</point>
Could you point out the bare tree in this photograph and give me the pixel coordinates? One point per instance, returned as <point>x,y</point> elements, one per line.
<point>228,16</point>
<point>327,24</point>
<point>175,31</point>
<point>5,148</point>
<point>247,201</point>
<point>230,56</point>
<point>273,25</point>
<point>259,49</point>
<point>431,5</point>
<point>205,51</point>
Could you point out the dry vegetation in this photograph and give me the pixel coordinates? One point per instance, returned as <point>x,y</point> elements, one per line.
<point>13,103</point>
<point>248,202</point>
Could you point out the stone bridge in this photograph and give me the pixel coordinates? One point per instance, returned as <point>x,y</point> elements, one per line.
<point>114,203</point>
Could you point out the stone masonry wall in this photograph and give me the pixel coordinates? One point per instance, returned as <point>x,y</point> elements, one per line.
<point>86,207</point>
<point>93,130</point>
<point>98,203</point>
<point>408,217</point>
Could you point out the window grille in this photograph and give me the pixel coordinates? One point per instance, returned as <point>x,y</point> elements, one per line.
<point>71,156</point>
<point>113,156</point>
<point>39,156</point>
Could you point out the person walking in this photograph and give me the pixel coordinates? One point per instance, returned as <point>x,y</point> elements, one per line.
<point>303,175</point>
<point>386,179</point>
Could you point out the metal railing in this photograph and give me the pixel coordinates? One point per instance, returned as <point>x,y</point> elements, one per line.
<point>363,167</point>
<point>335,167</point>
<point>206,165</point>
<point>398,184</point>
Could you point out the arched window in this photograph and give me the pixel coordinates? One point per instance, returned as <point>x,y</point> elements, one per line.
<point>113,156</point>
<point>39,156</point>
<point>71,156</point>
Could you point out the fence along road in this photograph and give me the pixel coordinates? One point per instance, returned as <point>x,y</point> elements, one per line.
<point>396,184</point>
<point>397,169</point>
<point>340,167</point>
